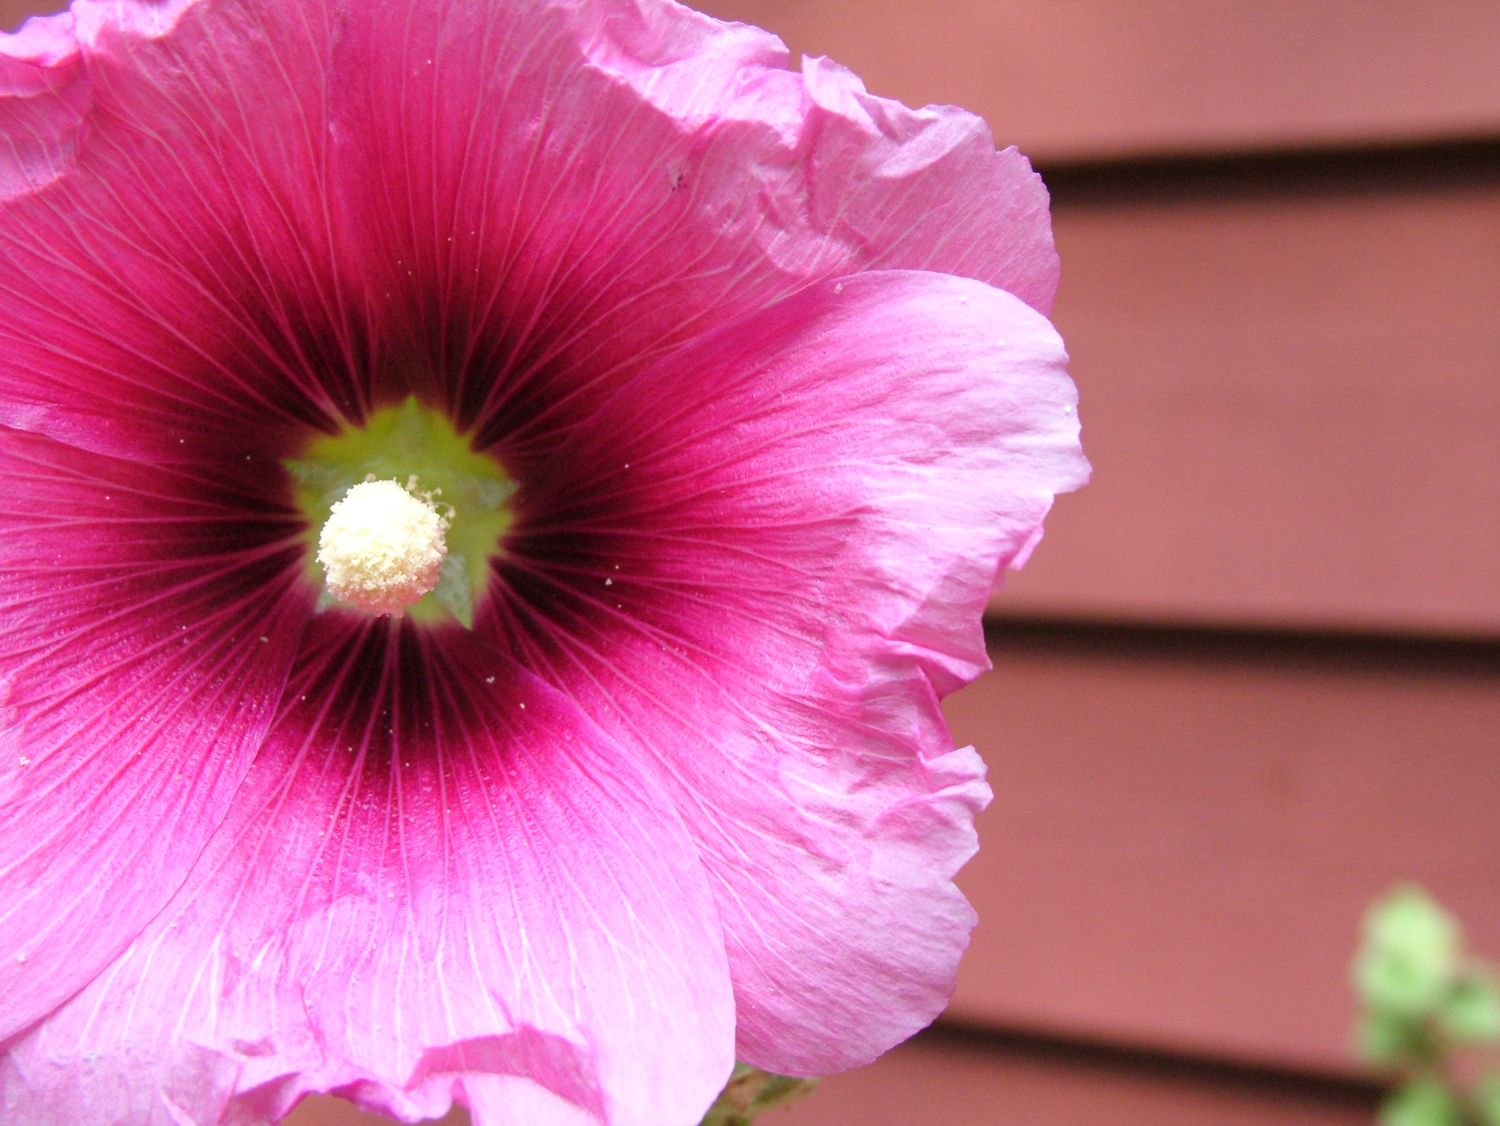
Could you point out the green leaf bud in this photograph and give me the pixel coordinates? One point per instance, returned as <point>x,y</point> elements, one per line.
<point>1422,1102</point>
<point>1394,1040</point>
<point>1407,963</point>
<point>1471,1011</point>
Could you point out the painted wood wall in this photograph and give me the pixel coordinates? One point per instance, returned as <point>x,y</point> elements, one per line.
<point>1252,676</point>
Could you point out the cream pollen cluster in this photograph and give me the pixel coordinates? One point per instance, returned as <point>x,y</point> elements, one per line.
<point>383,546</point>
<point>740,385</point>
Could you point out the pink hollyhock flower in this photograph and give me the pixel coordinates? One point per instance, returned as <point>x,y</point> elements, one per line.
<point>741,386</point>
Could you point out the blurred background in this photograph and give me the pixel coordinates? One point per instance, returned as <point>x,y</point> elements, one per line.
<point>1252,677</point>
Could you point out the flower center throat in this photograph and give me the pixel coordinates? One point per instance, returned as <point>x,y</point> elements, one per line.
<point>381,547</point>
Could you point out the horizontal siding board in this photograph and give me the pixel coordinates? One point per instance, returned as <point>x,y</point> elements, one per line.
<point>1092,79</point>
<point>946,1079</point>
<point>1185,833</point>
<point>1292,403</point>
<point>976,1081</point>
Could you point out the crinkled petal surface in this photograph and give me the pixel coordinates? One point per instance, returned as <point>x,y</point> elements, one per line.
<point>551,194</point>
<point>42,105</point>
<point>284,211</point>
<point>171,286</point>
<point>440,878</point>
<point>147,619</point>
<point>762,564</point>
<point>767,356</point>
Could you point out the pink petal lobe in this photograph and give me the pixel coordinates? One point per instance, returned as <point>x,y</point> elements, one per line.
<point>847,180</point>
<point>247,218</point>
<point>147,622</point>
<point>168,261</point>
<point>764,561</point>
<point>439,881</point>
<point>545,195</point>
<point>927,190</point>
<point>761,511</point>
<point>43,99</point>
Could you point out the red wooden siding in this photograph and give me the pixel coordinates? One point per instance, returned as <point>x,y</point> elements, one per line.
<point>971,1081</point>
<point>1292,402</point>
<point>1086,79</point>
<point>14,12</point>
<point>1187,829</point>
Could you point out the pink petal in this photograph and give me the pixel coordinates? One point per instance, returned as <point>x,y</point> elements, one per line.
<point>547,194</point>
<point>147,622</point>
<point>761,563</point>
<point>605,222</point>
<point>439,880</point>
<point>254,217</point>
<point>168,262</point>
<point>43,99</point>
<point>842,180</point>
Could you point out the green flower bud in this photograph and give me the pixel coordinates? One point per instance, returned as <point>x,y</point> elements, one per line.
<point>1409,959</point>
<point>1422,1102</point>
